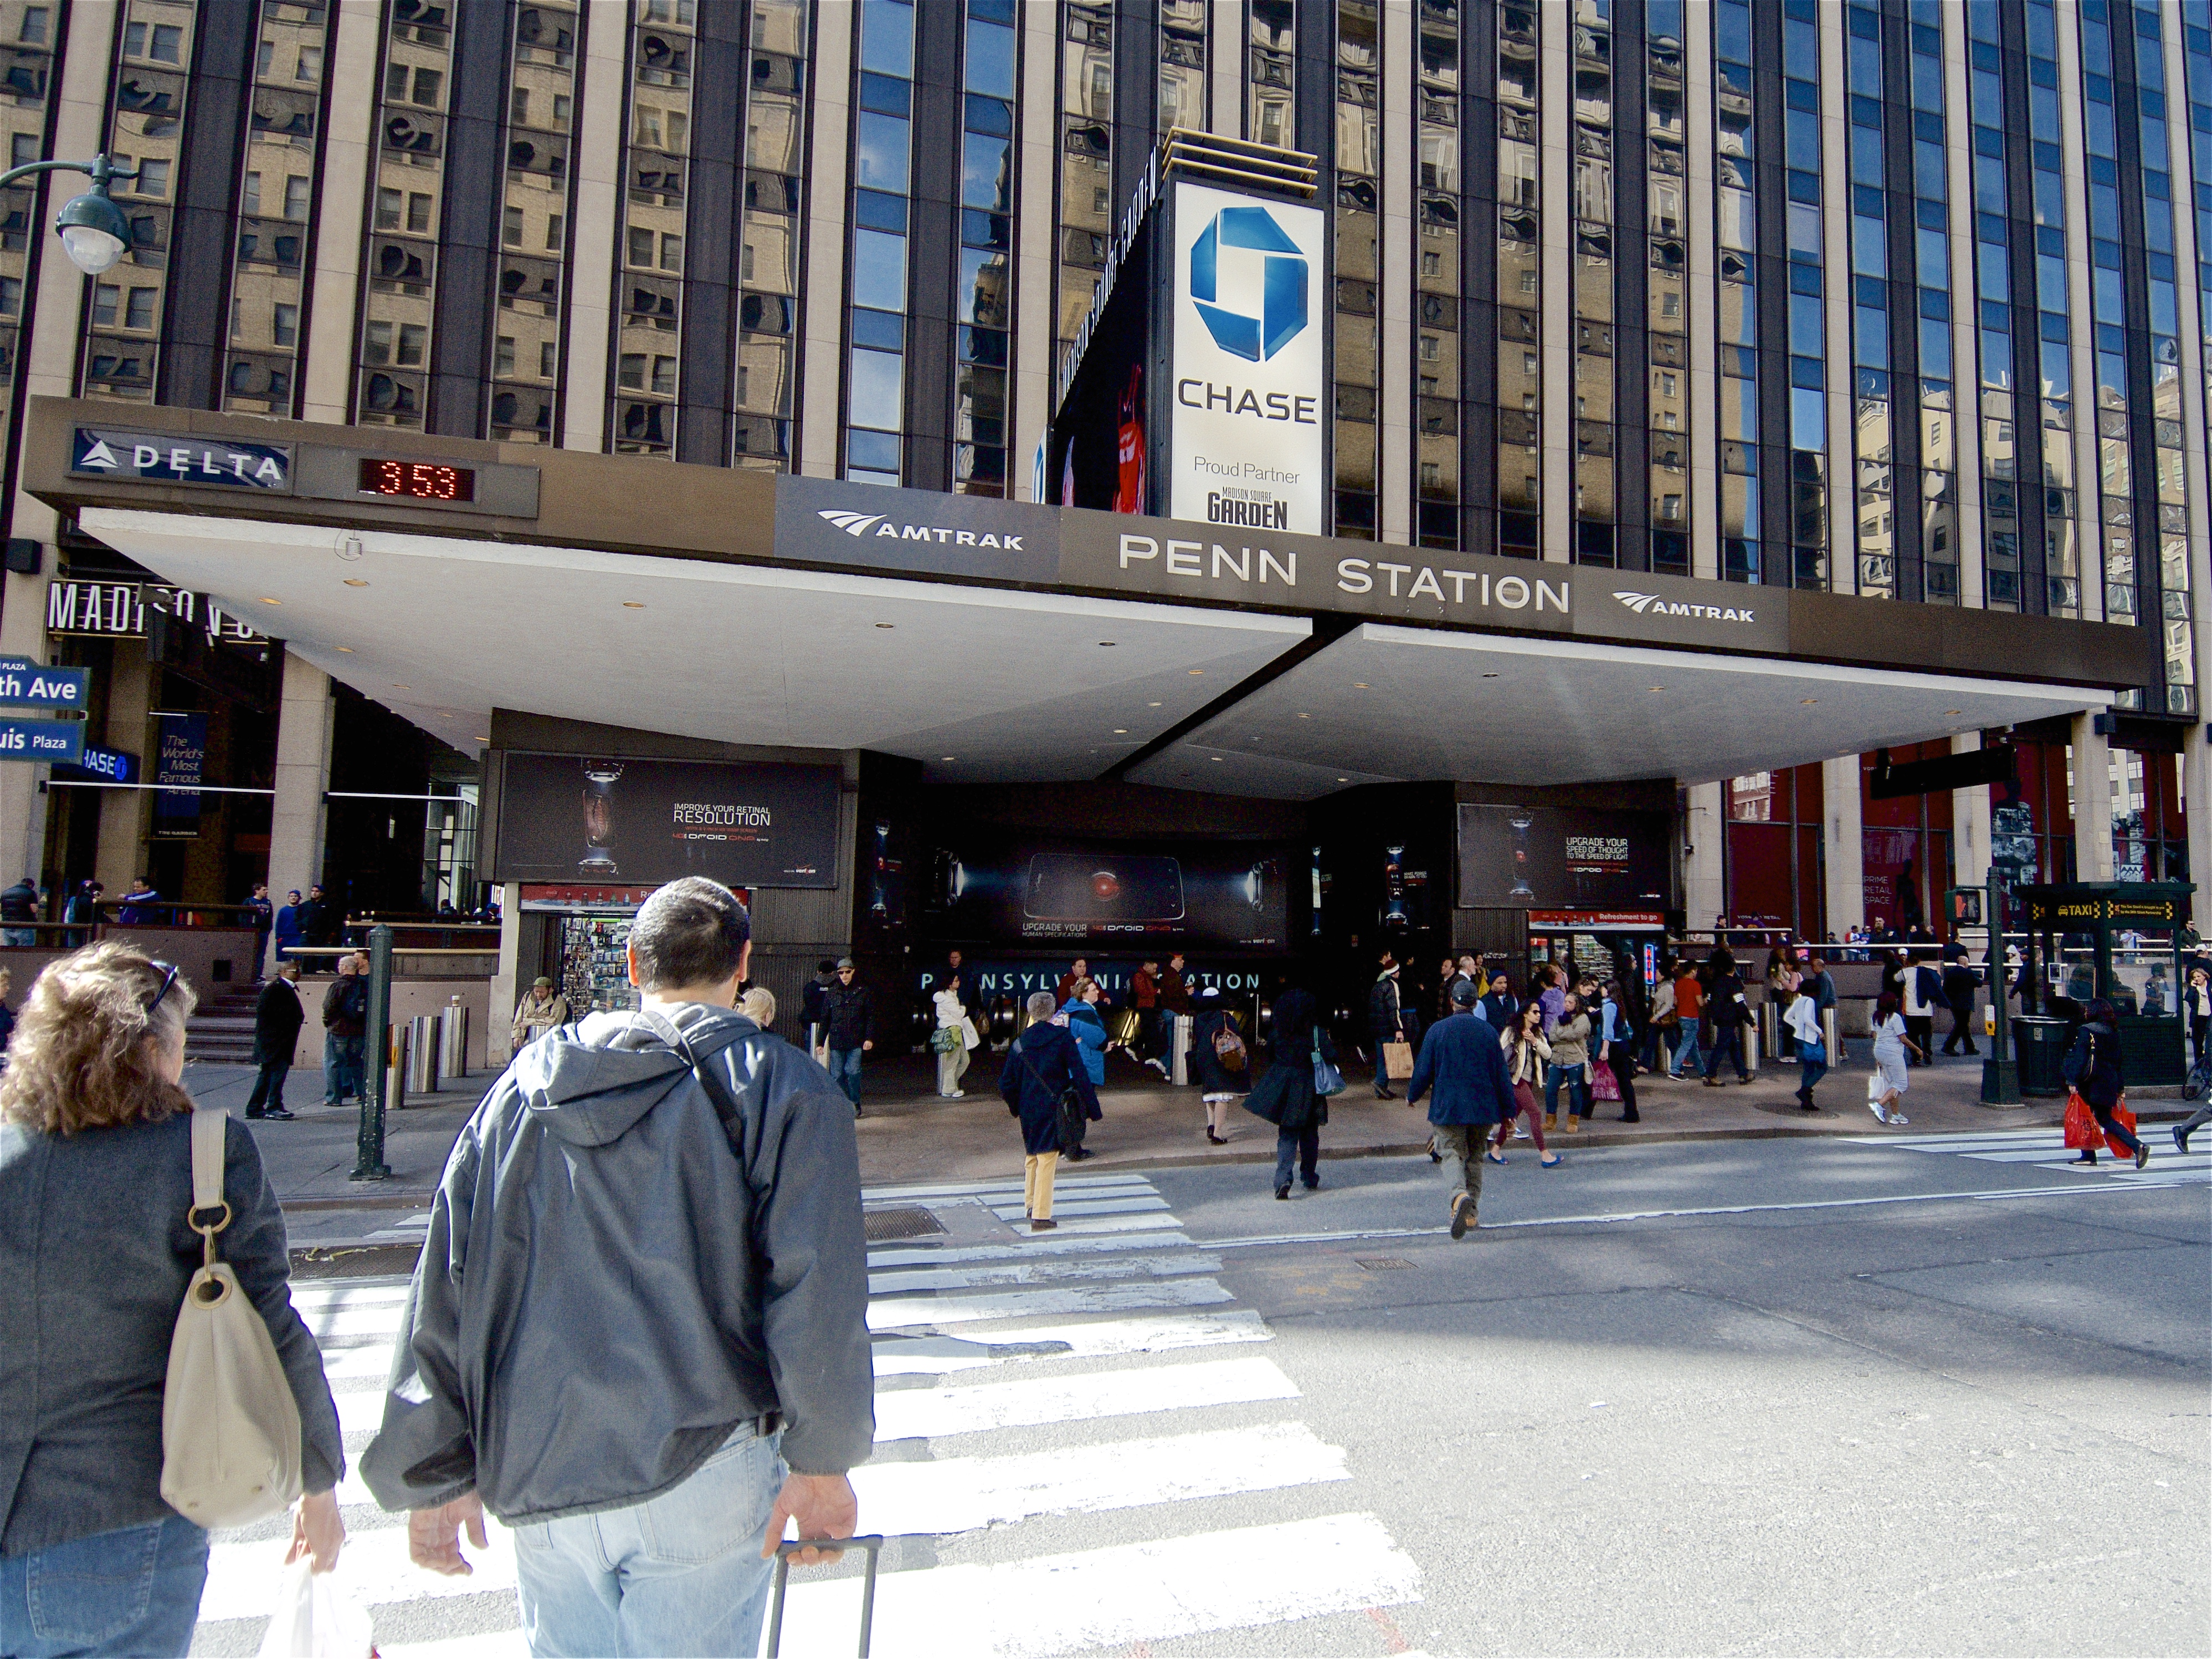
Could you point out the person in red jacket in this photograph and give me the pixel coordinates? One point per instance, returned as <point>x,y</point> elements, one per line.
<point>1144,998</point>
<point>1174,998</point>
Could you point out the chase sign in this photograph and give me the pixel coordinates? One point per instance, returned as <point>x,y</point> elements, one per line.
<point>1277,284</point>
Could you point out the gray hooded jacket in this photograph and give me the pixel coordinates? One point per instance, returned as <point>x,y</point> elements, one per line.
<point>610,1285</point>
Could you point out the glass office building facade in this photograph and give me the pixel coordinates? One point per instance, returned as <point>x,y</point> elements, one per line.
<point>1905,298</point>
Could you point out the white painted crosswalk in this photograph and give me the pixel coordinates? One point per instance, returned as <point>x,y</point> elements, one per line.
<point>1102,1371</point>
<point>2046,1149</point>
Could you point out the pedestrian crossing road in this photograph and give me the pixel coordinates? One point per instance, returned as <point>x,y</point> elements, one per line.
<point>1082,1442</point>
<point>2046,1149</point>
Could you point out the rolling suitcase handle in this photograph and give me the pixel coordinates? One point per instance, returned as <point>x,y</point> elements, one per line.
<point>874,1544</point>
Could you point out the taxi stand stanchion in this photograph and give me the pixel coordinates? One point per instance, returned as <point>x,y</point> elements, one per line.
<point>376,1059</point>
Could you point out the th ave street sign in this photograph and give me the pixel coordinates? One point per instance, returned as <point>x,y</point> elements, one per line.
<point>174,457</point>
<point>59,741</point>
<point>26,684</point>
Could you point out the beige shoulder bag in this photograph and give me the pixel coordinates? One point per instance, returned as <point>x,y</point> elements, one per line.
<point>230,1429</point>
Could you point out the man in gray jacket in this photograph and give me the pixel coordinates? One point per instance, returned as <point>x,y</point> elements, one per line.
<point>638,1333</point>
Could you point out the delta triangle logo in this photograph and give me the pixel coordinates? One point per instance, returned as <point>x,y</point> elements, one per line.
<point>853,523</point>
<point>99,455</point>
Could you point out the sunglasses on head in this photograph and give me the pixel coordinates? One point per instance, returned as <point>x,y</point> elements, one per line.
<point>169,978</point>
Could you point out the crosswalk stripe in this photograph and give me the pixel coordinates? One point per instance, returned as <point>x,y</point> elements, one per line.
<point>904,1313</point>
<point>933,1413</point>
<point>1041,1245</point>
<point>1107,1206</point>
<point>979,1275</point>
<point>919,1356</point>
<point>1067,1183</point>
<point>962,1494</point>
<point>1116,1597</point>
<point>1096,1227</point>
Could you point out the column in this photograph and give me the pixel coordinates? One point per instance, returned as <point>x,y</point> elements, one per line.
<point>821,371</point>
<point>1704,350</point>
<point>343,188</point>
<point>1394,465</point>
<point>304,726</point>
<point>598,157</point>
<point>1037,350</point>
<point>505,990</point>
<point>2093,801</point>
<point>1970,823</point>
<point>1846,846</point>
<point>1705,837</point>
<point>2197,775</point>
<point>123,811</point>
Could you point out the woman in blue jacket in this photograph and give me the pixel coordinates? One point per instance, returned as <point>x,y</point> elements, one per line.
<point>1087,1027</point>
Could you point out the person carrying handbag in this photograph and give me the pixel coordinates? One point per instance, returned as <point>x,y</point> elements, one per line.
<point>1044,1083</point>
<point>1528,1053</point>
<point>98,1207</point>
<point>1290,1092</point>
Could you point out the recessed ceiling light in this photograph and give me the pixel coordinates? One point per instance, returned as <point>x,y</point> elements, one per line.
<point>1344,780</point>
<point>1105,641</point>
<point>396,687</point>
<point>1953,711</point>
<point>1120,731</point>
<point>1214,758</point>
<point>1359,685</point>
<point>1305,717</point>
<point>346,648</point>
<point>1808,702</point>
<point>350,582</point>
<point>483,739</point>
<point>1658,687</point>
<point>1151,705</point>
<point>633,605</point>
<point>1489,676</point>
<point>887,624</point>
<point>948,757</point>
<point>1198,670</point>
<point>266,599</point>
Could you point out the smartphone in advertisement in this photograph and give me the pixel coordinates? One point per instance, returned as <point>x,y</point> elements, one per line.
<point>1108,887</point>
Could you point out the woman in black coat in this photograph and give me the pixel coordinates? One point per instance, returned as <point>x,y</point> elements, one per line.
<point>1285,1094</point>
<point>1218,1083</point>
<point>1041,1067</point>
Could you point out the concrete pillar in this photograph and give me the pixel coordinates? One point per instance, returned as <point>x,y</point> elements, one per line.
<point>119,855</point>
<point>1844,845</point>
<point>1705,836</point>
<point>2197,778</point>
<point>304,726</point>
<point>1970,823</point>
<point>2091,760</point>
<point>505,980</point>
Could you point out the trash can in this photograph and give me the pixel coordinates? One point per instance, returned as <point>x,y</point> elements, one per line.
<point>2039,1048</point>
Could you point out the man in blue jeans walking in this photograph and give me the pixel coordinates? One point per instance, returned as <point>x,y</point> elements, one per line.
<point>851,1030</point>
<point>637,1332</point>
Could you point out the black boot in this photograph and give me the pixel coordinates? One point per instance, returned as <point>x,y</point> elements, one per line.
<point>1283,1193</point>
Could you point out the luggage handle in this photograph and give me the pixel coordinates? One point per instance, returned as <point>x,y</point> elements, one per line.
<point>873,1544</point>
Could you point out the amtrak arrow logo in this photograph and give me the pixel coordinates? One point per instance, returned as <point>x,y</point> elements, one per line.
<point>99,455</point>
<point>1635,602</point>
<point>853,523</point>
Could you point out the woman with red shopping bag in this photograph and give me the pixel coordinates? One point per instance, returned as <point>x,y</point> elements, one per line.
<point>2092,1068</point>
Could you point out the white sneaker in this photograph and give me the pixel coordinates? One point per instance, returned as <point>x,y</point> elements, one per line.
<point>1521,1134</point>
<point>959,1093</point>
<point>1880,1116</point>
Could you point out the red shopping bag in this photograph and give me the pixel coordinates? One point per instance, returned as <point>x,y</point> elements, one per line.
<point>1604,1085</point>
<point>2083,1133</point>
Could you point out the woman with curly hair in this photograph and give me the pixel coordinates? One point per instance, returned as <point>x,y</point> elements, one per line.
<point>95,1254</point>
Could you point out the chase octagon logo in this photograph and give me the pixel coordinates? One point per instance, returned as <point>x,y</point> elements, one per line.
<point>1281,286</point>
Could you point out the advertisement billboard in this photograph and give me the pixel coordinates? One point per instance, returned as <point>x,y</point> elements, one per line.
<point>1248,398</point>
<point>1562,858</point>
<point>1011,890</point>
<point>602,820</point>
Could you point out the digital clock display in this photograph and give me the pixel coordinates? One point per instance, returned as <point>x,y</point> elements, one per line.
<point>420,481</point>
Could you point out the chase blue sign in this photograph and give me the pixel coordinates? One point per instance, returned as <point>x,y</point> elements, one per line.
<point>1282,286</point>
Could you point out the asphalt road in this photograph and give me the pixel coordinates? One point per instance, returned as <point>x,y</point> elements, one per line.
<point>1802,1396</point>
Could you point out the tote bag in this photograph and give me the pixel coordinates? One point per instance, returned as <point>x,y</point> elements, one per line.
<point>1398,1061</point>
<point>1327,1080</point>
<point>230,1429</point>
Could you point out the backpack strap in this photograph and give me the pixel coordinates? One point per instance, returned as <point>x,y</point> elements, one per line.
<point>696,1056</point>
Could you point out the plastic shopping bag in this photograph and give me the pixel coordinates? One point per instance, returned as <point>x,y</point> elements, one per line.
<point>315,1618</point>
<point>2083,1133</point>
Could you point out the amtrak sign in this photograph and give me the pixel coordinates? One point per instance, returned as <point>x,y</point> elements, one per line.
<point>1246,403</point>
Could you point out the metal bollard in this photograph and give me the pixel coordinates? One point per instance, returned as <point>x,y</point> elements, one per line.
<point>395,1072</point>
<point>422,1055</point>
<point>453,1040</point>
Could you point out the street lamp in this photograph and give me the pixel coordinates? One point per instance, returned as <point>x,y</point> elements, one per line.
<point>93,232</point>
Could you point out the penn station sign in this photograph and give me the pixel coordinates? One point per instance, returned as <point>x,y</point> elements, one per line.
<point>1163,559</point>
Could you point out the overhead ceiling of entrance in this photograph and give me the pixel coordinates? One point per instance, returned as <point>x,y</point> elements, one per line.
<point>996,685</point>
<point>1394,703</point>
<point>977,683</point>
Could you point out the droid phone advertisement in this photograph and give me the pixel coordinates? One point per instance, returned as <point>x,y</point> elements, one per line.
<point>1199,895</point>
<point>606,820</point>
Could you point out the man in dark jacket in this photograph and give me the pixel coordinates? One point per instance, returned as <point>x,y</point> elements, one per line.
<point>139,909</point>
<point>20,904</point>
<point>1286,1095</point>
<point>1727,1013</point>
<point>639,1323</point>
<point>1463,1062</point>
<point>345,1034</point>
<point>277,1018</point>
<point>1960,984</point>
<point>1043,1064</point>
<point>1175,1001</point>
<point>262,914</point>
<point>848,1027</point>
<point>811,1004</point>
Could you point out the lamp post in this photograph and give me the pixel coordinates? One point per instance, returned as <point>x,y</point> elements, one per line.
<point>93,232</point>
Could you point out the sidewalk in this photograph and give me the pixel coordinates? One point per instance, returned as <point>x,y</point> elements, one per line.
<point>909,1136</point>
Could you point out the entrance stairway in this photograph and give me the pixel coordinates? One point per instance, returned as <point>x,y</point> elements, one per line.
<point>221,1029</point>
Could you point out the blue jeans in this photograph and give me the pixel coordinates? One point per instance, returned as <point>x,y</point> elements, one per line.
<point>135,1591</point>
<point>845,1072</point>
<point>1685,1048</point>
<point>679,1573</point>
<point>1814,1072</point>
<point>343,1065</point>
<point>1576,1078</point>
<point>1301,1147</point>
